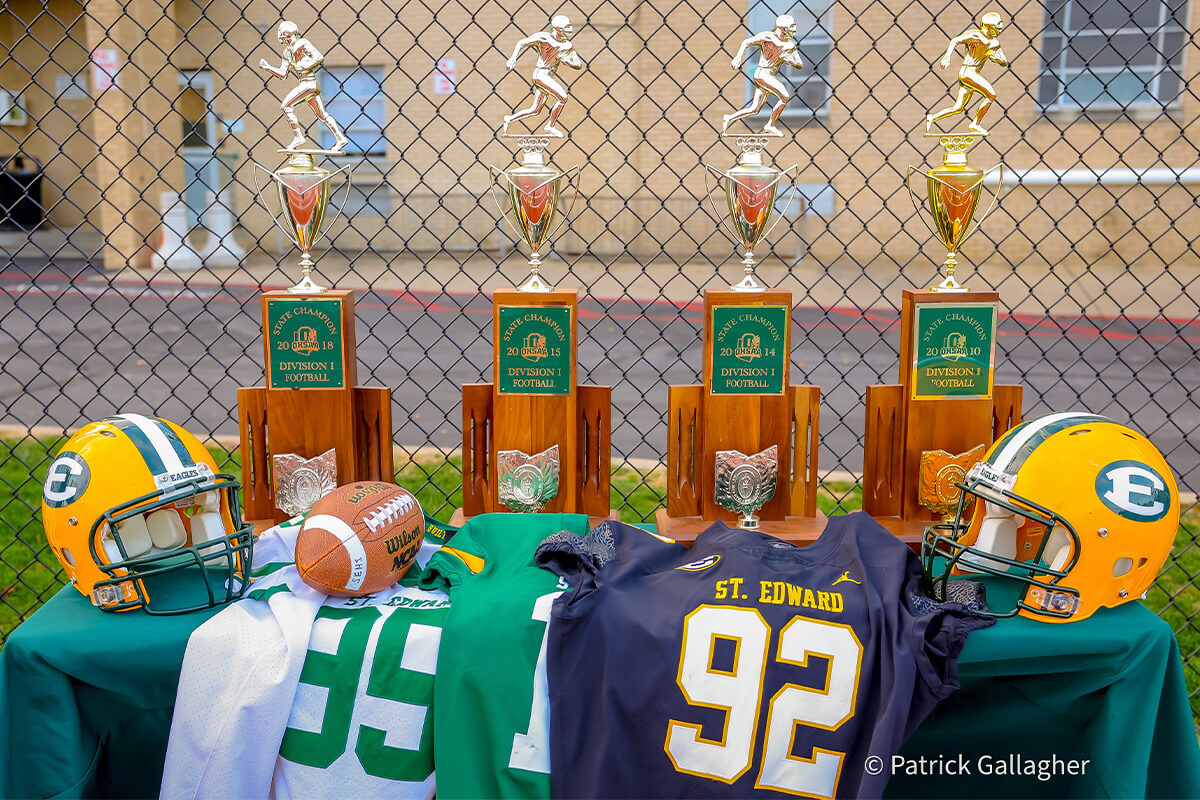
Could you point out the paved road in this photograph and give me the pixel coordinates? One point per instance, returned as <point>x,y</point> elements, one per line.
<point>75,346</point>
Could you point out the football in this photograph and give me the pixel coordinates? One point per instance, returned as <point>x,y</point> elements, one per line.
<point>359,539</point>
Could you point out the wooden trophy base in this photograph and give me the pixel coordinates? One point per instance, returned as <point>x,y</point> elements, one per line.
<point>533,403</point>
<point>356,422</point>
<point>310,403</point>
<point>800,531</point>
<point>745,404</point>
<point>931,411</point>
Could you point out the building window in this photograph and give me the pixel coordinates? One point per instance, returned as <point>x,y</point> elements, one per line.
<point>1112,54</point>
<point>367,199</point>
<point>354,96</point>
<point>810,86</point>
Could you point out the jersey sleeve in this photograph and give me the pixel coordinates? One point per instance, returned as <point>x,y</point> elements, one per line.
<point>236,686</point>
<point>454,563</point>
<point>436,536</point>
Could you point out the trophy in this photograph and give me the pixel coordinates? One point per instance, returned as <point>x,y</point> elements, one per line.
<point>534,187</point>
<point>946,399</point>
<point>746,402</point>
<point>954,188</point>
<point>311,427</point>
<point>302,188</point>
<point>535,402</point>
<point>745,483</point>
<point>752,185</point>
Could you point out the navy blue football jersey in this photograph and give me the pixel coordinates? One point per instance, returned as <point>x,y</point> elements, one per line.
<point>742,666</point>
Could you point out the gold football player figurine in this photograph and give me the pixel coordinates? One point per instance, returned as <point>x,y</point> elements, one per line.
<point>300,57</point>
<point>982,46</point>
<point>776,48</point>
<point>553,48</point>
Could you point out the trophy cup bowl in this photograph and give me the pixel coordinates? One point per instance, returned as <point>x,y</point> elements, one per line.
<point>953,190</point>
<point>745,483</point>
<point>533,193</point>
<point>303,191</point>
<point>533,189</point>
<point>953,197</point>
<point>304,195</point>
<point>750,192</point>
<point>750,187</point>
<point>527,483</point>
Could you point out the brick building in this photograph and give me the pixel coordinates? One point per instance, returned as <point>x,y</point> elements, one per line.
<point>1096,95</point>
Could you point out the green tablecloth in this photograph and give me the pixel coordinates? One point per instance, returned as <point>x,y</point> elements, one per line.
<point>86,699</point>
<point>1108,689</point>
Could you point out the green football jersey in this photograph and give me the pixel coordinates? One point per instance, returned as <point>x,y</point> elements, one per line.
<point>490,712</point>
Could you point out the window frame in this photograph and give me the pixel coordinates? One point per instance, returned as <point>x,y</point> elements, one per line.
<point>1057,69</point>
<point>340,75</point>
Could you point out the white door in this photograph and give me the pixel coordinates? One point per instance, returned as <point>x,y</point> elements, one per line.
<point>200,172</point>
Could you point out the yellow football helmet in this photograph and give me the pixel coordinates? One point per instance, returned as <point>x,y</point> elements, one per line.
<point>131,498</point>
<point>1079,509</point>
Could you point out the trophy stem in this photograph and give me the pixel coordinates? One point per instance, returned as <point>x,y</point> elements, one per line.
<point>535,284</point>
<point>748,284</point>
<point>950,284</point>
<point>306,284</point>
<point>748,522</point>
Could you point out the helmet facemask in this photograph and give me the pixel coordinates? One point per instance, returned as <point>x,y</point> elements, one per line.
<point>189,525</point>
<point>288,32</point>
<point>996,532</point>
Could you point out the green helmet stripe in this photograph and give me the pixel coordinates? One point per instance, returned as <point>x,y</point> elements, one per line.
<point>1015,447</point>
<point>176,443</point>
<point>135,434</point>
<point>162,449</point>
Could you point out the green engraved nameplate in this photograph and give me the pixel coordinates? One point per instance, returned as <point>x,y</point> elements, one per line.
<point>954,350</point>
<point>305,343</point>
<point>533,354</point>
<point>749,349</point>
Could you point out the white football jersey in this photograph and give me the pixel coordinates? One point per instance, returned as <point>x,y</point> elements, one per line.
<point>290,693</point>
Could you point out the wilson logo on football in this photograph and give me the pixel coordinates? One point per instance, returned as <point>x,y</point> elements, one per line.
<point>702,564</point>
<point>1134,491</point>
<point>403,540</point>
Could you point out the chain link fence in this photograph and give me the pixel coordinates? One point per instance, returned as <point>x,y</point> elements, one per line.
<point>135,251</point>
